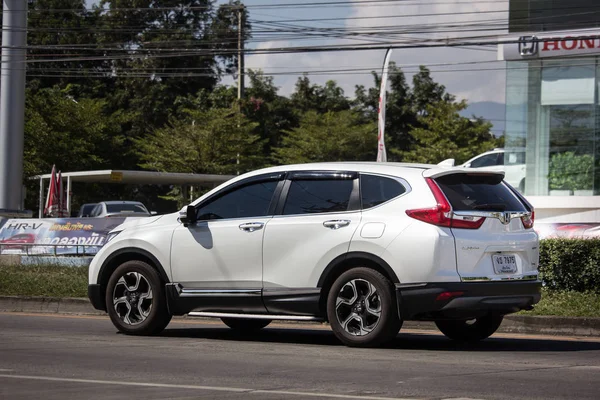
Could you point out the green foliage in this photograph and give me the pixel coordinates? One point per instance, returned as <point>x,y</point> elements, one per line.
<point>333,136</point>
<point>273,113</point>
<point>567,304</point>
<point>571,172</point>
<point>210,142</point>
<point>307,97</point>
<point>445,134</point>
<point>43,280</point>
<point>570,264</point>
<point>120,93</point>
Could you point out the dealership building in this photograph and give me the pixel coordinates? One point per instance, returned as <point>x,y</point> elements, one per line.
<point>552,55</point>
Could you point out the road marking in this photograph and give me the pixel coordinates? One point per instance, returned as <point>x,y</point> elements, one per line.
<point>311,326</point>
<point>196,387</point>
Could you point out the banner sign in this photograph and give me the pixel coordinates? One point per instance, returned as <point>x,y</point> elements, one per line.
<point>55,235</point>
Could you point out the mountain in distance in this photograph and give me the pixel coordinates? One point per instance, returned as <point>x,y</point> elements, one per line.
<point>490,111</point>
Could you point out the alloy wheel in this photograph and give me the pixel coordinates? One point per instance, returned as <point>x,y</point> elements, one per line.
<point>132,298</point>
<point>358,307</point>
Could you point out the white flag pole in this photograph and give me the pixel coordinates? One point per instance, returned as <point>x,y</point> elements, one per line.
<point>381,153</point>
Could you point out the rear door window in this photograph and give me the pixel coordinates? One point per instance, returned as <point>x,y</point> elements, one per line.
<point>313,196</point>
<point>375,190</point>
<point>479,192</point>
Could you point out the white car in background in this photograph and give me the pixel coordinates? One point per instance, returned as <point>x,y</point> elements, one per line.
<point>364,246</point>
<point>511,161</point>
<point>119,208</point>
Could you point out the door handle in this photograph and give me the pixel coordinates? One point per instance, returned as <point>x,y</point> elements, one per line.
<point>336,223</point>
<point>251,226</point>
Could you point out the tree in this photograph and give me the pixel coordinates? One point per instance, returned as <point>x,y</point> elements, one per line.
<point>273,113</point>
<point>444,134</point>
<point>172,50</point>
<point>76,135</point>
<point>210,142</point>
<point>308,97</point>
<point>401,114</point>
<point>62,30</point>
<point>333,136</point>
<point>427,92</point>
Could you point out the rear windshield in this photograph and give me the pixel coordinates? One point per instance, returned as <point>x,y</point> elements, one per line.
<point>126,208</point>
<point>468,192</point>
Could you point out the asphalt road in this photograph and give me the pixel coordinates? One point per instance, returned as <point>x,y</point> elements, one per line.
<point>78,357</point>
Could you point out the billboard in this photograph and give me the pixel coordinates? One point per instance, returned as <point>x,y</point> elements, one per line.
<point>62,236</point>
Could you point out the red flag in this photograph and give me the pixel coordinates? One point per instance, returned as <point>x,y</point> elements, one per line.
<point>52,198</point>
<point>61,212</point>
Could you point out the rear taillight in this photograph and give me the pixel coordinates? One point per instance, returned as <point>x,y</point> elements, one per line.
<point>441,214</point>
<point>528,220</point>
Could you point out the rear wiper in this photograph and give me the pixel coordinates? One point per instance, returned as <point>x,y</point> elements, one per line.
<point>490,207</point>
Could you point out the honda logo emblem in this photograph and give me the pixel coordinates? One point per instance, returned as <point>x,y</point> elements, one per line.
<point>528,46</point>
<point>505,218</point>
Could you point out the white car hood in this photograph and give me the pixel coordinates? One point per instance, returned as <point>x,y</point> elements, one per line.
<point>132,222</point>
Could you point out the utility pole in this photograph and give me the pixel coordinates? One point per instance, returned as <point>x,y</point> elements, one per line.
<point>12,106</point>
<point>240,53</point>
<point>240,71</point>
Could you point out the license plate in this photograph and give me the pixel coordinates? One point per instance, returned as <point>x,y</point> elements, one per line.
<point>504,263</point>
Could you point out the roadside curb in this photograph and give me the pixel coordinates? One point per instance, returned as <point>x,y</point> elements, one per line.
<point>527,324</point>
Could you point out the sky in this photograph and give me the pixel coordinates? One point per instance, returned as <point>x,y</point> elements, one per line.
<point>474,86</point>
<point>469,84</point>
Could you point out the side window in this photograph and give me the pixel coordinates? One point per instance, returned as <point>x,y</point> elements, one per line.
<point>375,190</point>
<point>500,160</point>
<point>318,196</point>
<point>484,161</point>
<point>252,200</point>
<point>96,211</point>
<point>515,158</point>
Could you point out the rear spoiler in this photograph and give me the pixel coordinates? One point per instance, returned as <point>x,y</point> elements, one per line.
<point>438,172</point>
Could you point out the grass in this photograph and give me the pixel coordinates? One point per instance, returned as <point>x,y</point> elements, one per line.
<point>43,280</point>
<point>61,281</point>
<point>567,304</point>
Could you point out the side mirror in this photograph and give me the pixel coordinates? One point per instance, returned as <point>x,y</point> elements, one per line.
<point>468,165</point>
<point>187,215</point>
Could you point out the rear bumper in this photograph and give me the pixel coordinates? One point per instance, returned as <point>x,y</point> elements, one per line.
<point>420,302</point>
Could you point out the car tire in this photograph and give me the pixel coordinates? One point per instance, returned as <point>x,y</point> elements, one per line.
<point>135,299</point>
<point>470,330</point>
<point>362,308</point>
<point>246,325</point>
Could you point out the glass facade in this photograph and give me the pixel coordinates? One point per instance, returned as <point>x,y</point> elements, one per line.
<point>553,126</point>
<point>552,15</point>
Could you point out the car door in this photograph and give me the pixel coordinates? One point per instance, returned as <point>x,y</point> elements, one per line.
<point>316,218</point>
<point>221,254</point>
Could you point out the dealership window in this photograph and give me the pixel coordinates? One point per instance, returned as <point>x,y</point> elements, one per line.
<point>553,113</point>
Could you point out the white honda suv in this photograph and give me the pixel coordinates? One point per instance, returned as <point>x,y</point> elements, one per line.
<point>364,246</point>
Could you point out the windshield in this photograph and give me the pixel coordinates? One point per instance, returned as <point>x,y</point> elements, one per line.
<point>467,192</point>
<point>126,208</point>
